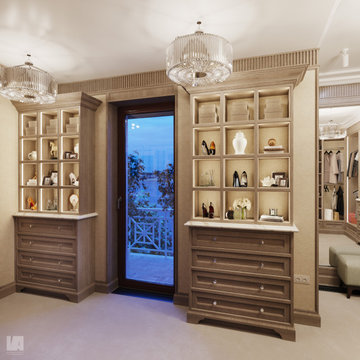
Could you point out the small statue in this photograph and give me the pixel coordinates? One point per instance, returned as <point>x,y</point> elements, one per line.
<point>212,148</point>
<point>236,182</point>
<point>243,180</point>
<point>53,150</point>
<point>205,150</point>
<point>204,210</point>
<point>211,211</point>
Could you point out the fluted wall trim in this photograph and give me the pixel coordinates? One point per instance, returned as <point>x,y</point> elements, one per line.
<point>339,95</point>
<point>158,78</point>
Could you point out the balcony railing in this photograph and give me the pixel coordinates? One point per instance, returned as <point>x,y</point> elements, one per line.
<point>152,234</point>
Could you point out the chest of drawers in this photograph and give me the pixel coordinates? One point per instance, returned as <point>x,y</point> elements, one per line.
<point>55,255</point>
<point>243,277</point>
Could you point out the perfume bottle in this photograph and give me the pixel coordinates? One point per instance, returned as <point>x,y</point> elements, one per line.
<point>243,180</point>
<point>211,211</point>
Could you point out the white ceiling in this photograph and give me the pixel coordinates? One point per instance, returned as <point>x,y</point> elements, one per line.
<point>80,40</point>
<point>343,116</point>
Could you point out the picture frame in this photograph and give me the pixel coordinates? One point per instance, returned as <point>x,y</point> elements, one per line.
<point>283,182</point>
<point>67,154</point>
<point>54,178</point>
<point>277,176</point>
<point>73,156</point>
<point>46,180</point>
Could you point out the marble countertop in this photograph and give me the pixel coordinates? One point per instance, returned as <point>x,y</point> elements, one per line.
<point>55,216</point>
<point>238,226</point>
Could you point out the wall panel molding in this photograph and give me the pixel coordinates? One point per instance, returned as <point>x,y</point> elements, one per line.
<point>158,78</point>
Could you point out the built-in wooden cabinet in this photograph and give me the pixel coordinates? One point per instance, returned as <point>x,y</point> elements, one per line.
<point>54,227</point>
<point>263,116</point>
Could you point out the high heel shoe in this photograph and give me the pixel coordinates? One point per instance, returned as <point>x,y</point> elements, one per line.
<point>243,180</point>
<point>236,182</point>
<point>205,149</point>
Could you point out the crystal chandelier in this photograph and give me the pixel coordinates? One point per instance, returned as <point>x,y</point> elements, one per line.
<point>331,130</point>
<point>199,59</point>
<point>28,84</point>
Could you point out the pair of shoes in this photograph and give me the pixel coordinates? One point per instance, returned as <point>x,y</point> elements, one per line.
<point>240,182</point>
<point>206,150</point>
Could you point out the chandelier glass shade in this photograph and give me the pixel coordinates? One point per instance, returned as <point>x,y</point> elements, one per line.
<point>199,59</point>
<point>28,84</point>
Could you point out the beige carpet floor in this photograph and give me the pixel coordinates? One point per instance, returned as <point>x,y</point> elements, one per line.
<point>106,327</point>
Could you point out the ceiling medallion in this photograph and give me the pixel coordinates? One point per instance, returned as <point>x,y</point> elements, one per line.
<point>28,84</point>
<point>199,59</point>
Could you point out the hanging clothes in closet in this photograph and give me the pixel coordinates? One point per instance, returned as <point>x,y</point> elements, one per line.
<point>326,167</point>
<point>340,163</point>
<point>333,170</point>
<point>353,165</point>
<point>340,201</point>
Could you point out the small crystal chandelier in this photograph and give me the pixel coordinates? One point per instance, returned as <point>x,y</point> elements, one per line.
<point>28,84</point>
<point>331,130</point>
<point>199,59</point>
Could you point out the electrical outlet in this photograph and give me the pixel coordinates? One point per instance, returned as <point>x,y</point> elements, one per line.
<point>302,279</point>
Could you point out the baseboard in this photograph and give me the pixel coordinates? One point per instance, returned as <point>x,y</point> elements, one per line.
<point>106,288</point>
<point>307,318</point>
<point>328,276</point>
<point>7,289</point>
<point>181,299</point>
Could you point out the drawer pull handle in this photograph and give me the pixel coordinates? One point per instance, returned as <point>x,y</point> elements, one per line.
<point>59,281</point>
<point>262,242</point>
<point>30,258</point>
<point>30,226</point>
<point>261,265</point>
<point>262,310</point>
<point>30,276</point>
<point>214,260</point>
<point>214,238</point>
<point>214,303</point>
<point>262,287</point>
<point>30,243</point>
<point>59,228</point>
<point>214,282</point>
<point>59,262</point>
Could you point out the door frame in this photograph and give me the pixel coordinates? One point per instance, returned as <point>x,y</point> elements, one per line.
<point>138,107</point>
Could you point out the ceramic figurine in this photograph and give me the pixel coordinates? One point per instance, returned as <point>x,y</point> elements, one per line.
<point>236,182</point>
<point>204,210</point>
<point>243,180</point>
<point>53,150</point>
<point>239,143</point>
<point>205,150</point>
<point>212,148</point>
<point>211,211</point>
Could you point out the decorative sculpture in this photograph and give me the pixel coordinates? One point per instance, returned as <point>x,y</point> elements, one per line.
<point>239,143</point>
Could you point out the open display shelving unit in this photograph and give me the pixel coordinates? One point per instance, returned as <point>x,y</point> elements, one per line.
<point>44,175</point>
<point>217,117</point>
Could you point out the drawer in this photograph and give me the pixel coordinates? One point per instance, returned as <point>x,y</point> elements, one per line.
<point>58,262</point>
<point>47,278</point>
<point>47,227</point>
<point>256,309</point>
<point>46,243</point>
<point>258,264</point>
<point>267,288</point>
<point>242,240</point>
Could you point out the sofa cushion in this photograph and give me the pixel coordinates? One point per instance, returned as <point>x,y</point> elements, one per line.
<point>348,269</point>
<point>348,249</point>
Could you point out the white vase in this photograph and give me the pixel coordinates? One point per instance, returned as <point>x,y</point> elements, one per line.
<point>239,143</point>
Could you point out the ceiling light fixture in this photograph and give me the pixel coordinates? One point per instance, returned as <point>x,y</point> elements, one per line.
<point>28,84</point>
<point>331,130</point>
<point>199,59</point>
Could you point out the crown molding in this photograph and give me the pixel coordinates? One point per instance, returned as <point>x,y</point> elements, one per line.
<point>339,95</point>
<point>341,77</point>
<point>307,58</point>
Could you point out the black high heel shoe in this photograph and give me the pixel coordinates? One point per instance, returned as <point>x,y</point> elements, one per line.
<point>205,149</point>
<point>236,182</point>
<point>243,180</point>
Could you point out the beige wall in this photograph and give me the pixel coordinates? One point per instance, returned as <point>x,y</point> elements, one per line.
<point>304,189</point>
<point>8,184</point>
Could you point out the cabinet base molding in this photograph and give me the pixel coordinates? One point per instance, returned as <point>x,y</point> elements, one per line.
<point>181,299</point>
<point>328,276</point>
<point>7,289</point>
<point>70,295</point>
<point>106,287</point>
<point>286,332</point>
<point>309,318</point>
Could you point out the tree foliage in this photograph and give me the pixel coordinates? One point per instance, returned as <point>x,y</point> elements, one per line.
<point>166,186</point>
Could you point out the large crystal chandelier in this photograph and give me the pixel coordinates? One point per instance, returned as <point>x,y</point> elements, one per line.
<point>331,130</point>
<point>28,84</point>
<point>199,59</point>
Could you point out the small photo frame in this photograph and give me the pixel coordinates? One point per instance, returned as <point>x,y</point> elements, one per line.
<point>54,178</point>
<point>73,156</point>
<point>277,176</point>
<point>67,154</point>
<point>46,181</point>
<point>283,182</point>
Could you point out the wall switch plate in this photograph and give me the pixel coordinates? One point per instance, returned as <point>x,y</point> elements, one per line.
<point>302,279</point>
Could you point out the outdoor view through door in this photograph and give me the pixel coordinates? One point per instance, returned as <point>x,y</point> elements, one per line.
<point>150,198</point>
